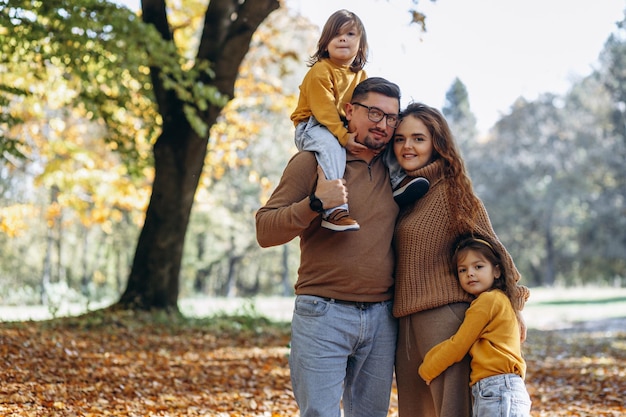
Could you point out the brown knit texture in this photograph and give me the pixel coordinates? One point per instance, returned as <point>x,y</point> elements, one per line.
<point>351,266</point>
<point>425,234</point>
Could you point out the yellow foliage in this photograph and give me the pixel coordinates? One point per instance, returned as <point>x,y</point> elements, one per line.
<point>53,213</point>
<point>99,278</point>
<point>99,215</point>
<point>78,161</point>
<point>266,190</point>
<point>13,219</point>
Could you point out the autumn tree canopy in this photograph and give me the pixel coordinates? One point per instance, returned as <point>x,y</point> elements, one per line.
<point>88,39</point>
<point>128,120</point>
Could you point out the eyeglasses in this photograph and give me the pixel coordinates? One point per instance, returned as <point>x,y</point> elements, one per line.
<point>376,115</point>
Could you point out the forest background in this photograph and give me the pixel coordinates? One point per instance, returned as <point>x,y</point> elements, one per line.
<point>133,158</point>
<point>74,187</point>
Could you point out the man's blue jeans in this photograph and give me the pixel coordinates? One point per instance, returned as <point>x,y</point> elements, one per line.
<point>342,352</point>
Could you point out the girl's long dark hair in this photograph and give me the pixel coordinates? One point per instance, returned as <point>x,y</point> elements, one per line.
<point>489,251</point>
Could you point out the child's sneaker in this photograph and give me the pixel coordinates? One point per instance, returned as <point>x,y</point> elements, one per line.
<point>410,190</point>
<point>340,221</point>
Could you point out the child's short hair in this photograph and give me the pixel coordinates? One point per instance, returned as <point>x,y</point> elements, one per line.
<point>332,27</point>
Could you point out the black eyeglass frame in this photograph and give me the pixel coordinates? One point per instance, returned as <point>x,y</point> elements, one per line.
<point>384,115</point>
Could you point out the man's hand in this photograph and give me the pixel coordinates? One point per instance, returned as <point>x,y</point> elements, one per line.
<point>333,193</point>
<point>353,146</point>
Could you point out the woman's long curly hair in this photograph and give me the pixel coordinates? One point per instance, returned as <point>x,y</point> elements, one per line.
<point>464,203</point>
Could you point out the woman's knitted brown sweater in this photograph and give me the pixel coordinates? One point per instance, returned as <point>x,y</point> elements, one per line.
<point>424,236</point>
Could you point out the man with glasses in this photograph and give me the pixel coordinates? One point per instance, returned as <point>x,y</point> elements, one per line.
<point>405,189</point>
<point>343,333</point>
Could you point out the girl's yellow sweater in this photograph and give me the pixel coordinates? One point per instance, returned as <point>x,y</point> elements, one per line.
<point>324,93</point>
<point>490,333</point>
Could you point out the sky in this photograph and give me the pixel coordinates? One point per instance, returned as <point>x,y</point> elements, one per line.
<point>500,49</point>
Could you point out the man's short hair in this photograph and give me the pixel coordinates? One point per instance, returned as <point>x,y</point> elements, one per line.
<point>376,85</point>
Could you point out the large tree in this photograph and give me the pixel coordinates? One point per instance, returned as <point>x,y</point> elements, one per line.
<point>105,53</point>
<point>136,79</point>
<point>180,149</point>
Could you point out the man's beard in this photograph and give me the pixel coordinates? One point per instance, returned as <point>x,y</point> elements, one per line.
<point>373,144</point>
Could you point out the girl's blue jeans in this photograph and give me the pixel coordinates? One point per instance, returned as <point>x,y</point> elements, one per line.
<point>501,396</point>
<point>331,156</point>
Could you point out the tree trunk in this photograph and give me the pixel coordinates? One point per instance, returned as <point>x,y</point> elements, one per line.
<point>179,152</point>
<point>153,280</point>
<point>550,269</point>
<point>46,277</point>
<point>550,258</point>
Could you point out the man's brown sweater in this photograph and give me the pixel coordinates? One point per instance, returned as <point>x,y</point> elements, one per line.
<point>350,266</point>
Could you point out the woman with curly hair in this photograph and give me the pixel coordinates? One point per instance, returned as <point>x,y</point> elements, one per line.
<point>429,300</point>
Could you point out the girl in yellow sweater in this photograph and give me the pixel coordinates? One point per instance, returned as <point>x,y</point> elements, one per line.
<point>336,68</point>
<point>489,333</point>
<point>319,118</point>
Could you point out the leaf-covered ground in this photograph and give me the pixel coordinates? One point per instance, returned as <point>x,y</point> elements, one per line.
<point>115,364</point>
